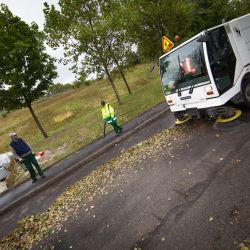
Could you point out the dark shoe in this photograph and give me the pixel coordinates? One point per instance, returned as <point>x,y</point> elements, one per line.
<point>43,176</point>
<point>33,181</point>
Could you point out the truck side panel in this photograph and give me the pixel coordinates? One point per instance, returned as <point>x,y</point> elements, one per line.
<point>241,32</point>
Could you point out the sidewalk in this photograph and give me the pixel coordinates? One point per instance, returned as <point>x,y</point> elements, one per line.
<point>19,193</point>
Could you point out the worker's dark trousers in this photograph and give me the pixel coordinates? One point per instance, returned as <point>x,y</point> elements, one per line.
<point>116,127</point>
<point>30,160</point>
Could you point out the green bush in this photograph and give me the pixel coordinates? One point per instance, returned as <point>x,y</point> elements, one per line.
<point>4,113</point>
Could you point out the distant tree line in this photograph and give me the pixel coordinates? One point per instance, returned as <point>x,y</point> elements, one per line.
<point>58,88</point>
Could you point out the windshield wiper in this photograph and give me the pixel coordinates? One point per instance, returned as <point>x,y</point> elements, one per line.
<point>180,77</point>
<point>179,88</point>
<point>191,89</point>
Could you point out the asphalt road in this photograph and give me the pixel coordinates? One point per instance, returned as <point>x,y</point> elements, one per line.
<point>197,197</point>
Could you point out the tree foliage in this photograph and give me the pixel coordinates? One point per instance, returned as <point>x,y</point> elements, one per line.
<point>209,13</point>
<point>26,70</point>
<point>148,21</point>
<point>85,28</point>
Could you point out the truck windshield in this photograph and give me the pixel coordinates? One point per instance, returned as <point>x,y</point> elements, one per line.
<point>183,68</point>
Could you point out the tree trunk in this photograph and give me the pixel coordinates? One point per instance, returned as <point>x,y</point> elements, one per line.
<point>37,122</point>
<point>113,85</point>
<point>122,75</point>
<point>125,81</point>
<point>103,61</point>
<point>114,88</point>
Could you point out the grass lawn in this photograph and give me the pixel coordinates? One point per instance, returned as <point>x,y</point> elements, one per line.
<point>73,118</point>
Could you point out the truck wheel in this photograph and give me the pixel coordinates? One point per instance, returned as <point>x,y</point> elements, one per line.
<point>181,117</point>
<point>246,92</point>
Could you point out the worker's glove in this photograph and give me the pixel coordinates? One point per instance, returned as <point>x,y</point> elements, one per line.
<point>20,161</point>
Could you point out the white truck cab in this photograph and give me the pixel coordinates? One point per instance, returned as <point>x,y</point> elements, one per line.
<point>206,72</point>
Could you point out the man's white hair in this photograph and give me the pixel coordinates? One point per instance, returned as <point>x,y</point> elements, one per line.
<point>12,134</point>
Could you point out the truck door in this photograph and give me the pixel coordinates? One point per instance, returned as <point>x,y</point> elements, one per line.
<point>221,58</point>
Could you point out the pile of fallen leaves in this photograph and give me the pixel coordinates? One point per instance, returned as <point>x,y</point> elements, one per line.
<point>33,228</point>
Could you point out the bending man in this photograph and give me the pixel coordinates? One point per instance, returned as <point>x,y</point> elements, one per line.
<point>23,152</point>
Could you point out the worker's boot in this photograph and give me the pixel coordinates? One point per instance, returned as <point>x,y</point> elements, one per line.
<point>34,180</point>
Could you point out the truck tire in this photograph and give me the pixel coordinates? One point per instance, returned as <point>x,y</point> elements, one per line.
<point>246,92</point>
<point>179,115</point>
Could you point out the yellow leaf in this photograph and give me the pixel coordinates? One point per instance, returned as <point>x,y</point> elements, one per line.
<point>211,218</point>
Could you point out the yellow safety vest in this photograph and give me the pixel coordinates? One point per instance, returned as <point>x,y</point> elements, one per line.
<point>108,111</point>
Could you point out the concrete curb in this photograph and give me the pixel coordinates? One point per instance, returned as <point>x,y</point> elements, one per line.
<point>81,163</point>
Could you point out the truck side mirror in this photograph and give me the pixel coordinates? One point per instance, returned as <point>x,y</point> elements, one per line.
<point>203,38</point>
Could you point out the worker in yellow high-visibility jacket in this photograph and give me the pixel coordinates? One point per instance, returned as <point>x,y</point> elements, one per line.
<point>108,115</point>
